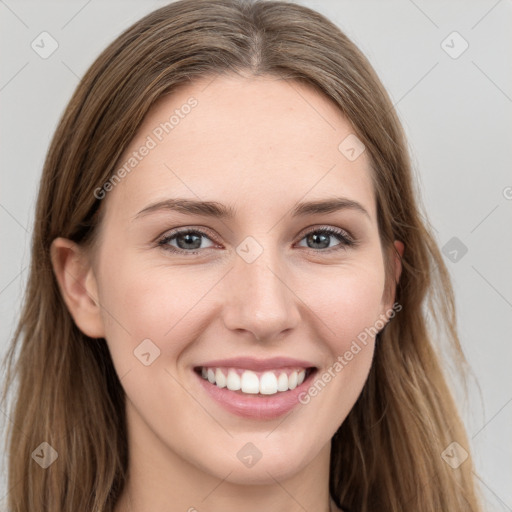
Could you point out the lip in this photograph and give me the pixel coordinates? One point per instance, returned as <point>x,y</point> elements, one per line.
<point>250,363</point>
<point>256,407</point>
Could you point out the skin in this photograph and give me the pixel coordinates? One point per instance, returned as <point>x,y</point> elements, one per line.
<point>260,145</point>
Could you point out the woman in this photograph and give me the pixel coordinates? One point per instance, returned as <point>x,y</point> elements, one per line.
<point>287,364</point>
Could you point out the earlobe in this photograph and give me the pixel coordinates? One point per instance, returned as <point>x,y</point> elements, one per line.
<point>77,284</point>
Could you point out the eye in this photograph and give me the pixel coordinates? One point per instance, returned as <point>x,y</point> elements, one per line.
<point>186,239</point>
<point>319,238</point>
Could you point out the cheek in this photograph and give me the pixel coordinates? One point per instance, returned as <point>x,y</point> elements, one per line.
<point>347,300</point>
<point>154,302</point>
<point>350,314</point>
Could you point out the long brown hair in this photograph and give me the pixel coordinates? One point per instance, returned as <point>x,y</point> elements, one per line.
<point>387,454</point>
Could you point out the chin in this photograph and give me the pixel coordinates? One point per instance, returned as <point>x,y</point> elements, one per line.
<point>261,462</point>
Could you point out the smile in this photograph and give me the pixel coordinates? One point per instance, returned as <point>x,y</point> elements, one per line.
<point>251,382</point>
<point>255,389</point>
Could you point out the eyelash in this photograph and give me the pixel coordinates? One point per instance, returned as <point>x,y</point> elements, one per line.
<point>346,241</point>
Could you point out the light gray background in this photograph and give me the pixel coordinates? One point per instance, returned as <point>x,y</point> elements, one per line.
<point>457,115</point>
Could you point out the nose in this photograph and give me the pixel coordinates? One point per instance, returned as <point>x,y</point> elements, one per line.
<point>260,297</point>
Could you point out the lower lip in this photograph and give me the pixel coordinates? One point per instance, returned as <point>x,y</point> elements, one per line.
<point>256,406</point>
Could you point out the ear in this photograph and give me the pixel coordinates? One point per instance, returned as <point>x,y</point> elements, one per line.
<point>77,285</point>
<point>397,252</point>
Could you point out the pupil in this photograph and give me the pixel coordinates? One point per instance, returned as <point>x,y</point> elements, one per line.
<point>315,238</point>
<point>188,237</point>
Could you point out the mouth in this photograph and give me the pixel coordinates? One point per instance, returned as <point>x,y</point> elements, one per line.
<point>253,389</point>
<point>259,383</point>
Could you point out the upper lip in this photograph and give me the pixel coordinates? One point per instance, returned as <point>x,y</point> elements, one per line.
<point>250,363</point>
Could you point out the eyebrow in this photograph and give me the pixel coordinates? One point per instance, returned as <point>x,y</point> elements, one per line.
<point>221,211</point>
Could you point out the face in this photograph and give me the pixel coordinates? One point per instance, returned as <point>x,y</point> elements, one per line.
<point>272,296</point>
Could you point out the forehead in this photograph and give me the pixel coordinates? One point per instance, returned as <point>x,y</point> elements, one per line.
<point>258,143</point>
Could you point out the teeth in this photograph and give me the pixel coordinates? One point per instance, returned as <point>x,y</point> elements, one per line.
<point>292,380</point>
<point>282,382</point>
<point>250,382</point>
<point>220,379</point>
<point>267,383</point>
<point>233,381</point>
